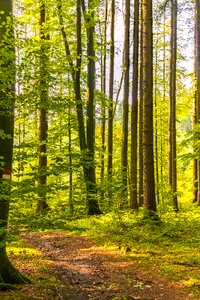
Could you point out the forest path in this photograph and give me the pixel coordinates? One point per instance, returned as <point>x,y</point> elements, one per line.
<point>77,269</point>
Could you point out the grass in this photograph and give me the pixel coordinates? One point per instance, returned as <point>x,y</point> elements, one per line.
<point>169,247</point>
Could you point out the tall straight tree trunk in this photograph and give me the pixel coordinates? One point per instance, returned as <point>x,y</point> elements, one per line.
<point>172,110</point>
<point>162,137</point>
<point>195,161</point>
<point>156,113</point>
<point>8,274</point>
<point>148,157</point>
<point>126,66</point>
<point>134,111</point>
<point>90,124</point>
<point>71,203</point>
<point>111,90</point>
<point>197,19</point>
<point>195,110</point>
<point>141,190</point>
<point>43,122</point>
<point>103,90</point>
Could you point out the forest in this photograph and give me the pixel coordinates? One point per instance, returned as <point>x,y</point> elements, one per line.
<point>99,149</point>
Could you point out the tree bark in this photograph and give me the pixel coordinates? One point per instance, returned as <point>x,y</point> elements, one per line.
<point>43,121</point>
<point>141,189</point>
<point>172,110</point>
<point>126,66</point>
<point>111,89</point>
<point>156,113</point>
<point>134,112</point>
<point>162,136</point>
<point>93,207</point>
<point>103,90</point>
<point>148,157</point>
<point>197,19</point>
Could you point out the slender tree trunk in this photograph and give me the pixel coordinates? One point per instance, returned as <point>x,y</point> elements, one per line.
<point>195,111</point>
<point>148,157</point>
<point>141,189</point>
<point>195,161</point>
<point>71,203</point>
<point>156,114</point>
<point>162,137</point>
<point>90,124</point>
<point>197,19</point>
<point>134,111</point>
<point>103,90</point>
<point>111,89</point>
<point>126,66</point>
<point>43,121</point>
<point>172,117</point>
<point>8,274</point>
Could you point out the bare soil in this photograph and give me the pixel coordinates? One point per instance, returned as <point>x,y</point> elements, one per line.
<point>75,268</point>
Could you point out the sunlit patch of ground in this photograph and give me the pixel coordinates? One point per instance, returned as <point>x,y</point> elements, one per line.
<point>64,266</point>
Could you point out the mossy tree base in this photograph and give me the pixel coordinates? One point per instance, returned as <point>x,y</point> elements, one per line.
<point>9,275</point>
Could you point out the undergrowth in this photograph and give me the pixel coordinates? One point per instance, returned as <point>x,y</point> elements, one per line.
<point>170,245</point>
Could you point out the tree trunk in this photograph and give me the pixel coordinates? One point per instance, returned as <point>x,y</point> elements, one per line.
<point>156,113</point>
<point>134,111</point>
<point>148,157</point>
<point>141,189</point>
<point>43,122</point>
<point>172,110</point>
<point>126,66</point>
<point>195,110</point>
<point>8,274</point>
<point>93,207</point>
<point>71,203</point>
<point>103,90</point>
<point>111,89</point>
<point>162,137</point>
<point>197,19</point>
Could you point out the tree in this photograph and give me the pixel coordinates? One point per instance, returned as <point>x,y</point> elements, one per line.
<point>156,111</point>
<point>197,68</point>
<point>172,110</point>
<point>134,111</point>
<point>90,124</point>
<point>147,85</point>
<point>8,274</point>
<point>111,91</point>
<point>103,90</point>
<point>126,66</point>
<point>43,121</point>
<point>141,188</point>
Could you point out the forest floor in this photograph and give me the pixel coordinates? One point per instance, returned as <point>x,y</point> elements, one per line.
<point>69,267</point>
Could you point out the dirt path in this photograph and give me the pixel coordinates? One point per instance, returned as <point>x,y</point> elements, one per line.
<point>84,271</point>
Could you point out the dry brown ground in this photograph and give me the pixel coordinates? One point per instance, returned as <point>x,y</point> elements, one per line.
<point>74,268</point>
